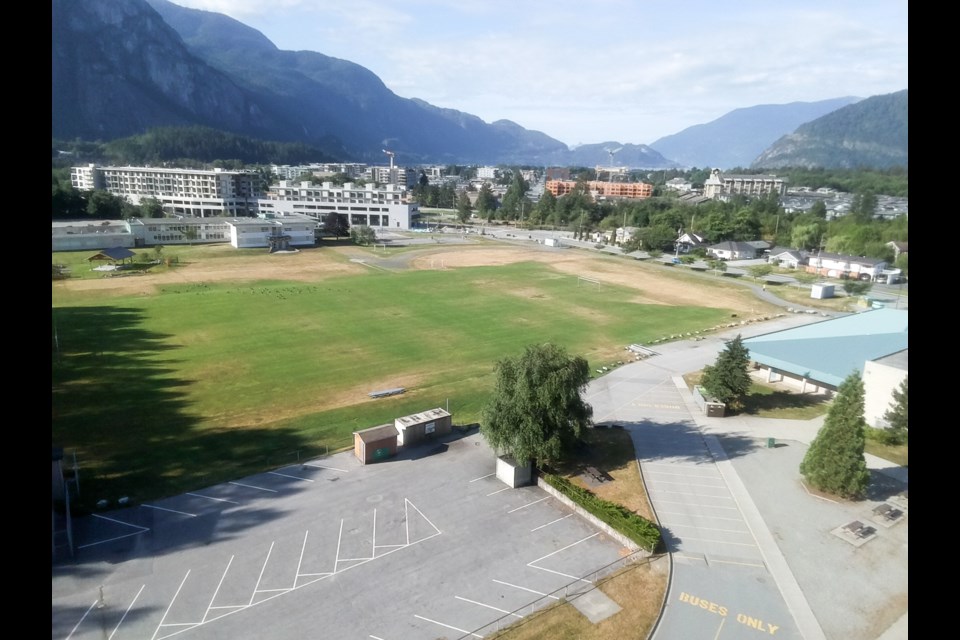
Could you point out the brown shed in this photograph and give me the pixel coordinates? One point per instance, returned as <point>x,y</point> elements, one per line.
<point>375,443</point>
<point>423,426</point>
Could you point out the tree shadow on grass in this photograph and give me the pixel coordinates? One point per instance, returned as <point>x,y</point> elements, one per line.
<point>769,403</point>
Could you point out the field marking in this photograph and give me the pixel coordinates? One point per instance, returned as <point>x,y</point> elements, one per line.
<point>250,486</point>
<point>489,606</point>
<point>448,626</point>
<point>498,491</point>
<point>124,616</point>
<point>528,504</point>
<point>182,513</point>
<point>482,477</point>
<point>320,466</point>
<point>516,586</point>
<point>197,495</point>
<point>551,522</point>
<point>284,475</point>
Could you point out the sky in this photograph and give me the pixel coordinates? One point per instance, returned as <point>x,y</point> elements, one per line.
<point>626,71</point>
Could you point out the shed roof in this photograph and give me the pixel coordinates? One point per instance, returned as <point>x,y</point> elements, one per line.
<point>115,253</point>
<point>374,434</point>
<point>829,351</point>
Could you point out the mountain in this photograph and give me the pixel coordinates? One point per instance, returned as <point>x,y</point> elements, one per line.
<point>871,133</point>
<point>737,138</point>
<point>122,67</point>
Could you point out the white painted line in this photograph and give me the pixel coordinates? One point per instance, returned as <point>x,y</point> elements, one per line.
<point>655,474</point>
<point>216,591</point>
<point>422,516</point>
<point>718,484</point>
<point>551,522</point>
<point>303,548</point>
<point>498,491</point>
<point>744,564</point>
<point>694,504</point>
<point>93,544</point>
<point>197,495</point>
<point>250,486</point>
<point>482,477</point>
<point>516,586</point>
<point>488,606</point>
<point>339,537</point>
<point>714,541</point>
<point>447,626</point>
<point>260,577</point>
<point>80,621</point>
<point>320,466</point>
<point>573,544</point>
<point>135,526</point>
<point>528,504</point>
<point>376,638</point>
<point>182,513</point>
<point>182,582</point>
<point>689,493</point>
<point>130,606</point>
<point>284,475</point>
<point>695,526</point>
<point>565,575</point>
<point>685,513</point>
<point>373,553</point>
<point>387,546</point>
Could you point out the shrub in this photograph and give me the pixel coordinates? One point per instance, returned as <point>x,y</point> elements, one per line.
<point>634,526</point>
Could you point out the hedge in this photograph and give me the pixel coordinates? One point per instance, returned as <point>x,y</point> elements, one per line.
<point>636,527</point>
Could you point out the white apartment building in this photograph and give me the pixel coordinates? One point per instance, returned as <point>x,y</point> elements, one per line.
<point>719,186</point>
<point>383,207</point>
<point>186,192</point>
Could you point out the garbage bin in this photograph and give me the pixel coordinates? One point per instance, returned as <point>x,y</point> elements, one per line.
<point>771,443</point>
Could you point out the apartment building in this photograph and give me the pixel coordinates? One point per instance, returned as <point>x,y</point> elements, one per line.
<point>721,186</point>
<point>600,190</point>
<point>385,207</point>
<point>186,192</point>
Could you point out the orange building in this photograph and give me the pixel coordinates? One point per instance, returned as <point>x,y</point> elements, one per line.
<point>636,190</point>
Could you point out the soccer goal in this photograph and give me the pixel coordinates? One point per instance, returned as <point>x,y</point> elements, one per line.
<point>587,282</point>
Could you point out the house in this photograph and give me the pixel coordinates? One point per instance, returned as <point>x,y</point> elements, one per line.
<point>834,265</point>
<point>898,248</point>
<point>626,233</point>
<point>730,250</point>
<point>689,241</point>
<point>787,258</point>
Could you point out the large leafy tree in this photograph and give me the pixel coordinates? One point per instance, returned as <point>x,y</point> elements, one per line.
<point>728,379</point>
<point>536,412</point>
<point>336,224</point>
<point>834,462</point>
<point>896,415</point>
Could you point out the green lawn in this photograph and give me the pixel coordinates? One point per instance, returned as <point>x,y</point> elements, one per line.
<point>207,382</point>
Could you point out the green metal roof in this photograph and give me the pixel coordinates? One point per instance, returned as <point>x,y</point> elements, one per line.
<point>831,350</point>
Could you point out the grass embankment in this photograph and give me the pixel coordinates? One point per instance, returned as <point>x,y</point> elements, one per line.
<point>196,383</point>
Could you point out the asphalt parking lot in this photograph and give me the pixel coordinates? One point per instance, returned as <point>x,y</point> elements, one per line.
<point>428,545</point>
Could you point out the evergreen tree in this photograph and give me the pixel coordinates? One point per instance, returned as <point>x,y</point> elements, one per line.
<point>896,415</point>
<point>536,412</point>
<point>834,462</point>
<point>728,379</point>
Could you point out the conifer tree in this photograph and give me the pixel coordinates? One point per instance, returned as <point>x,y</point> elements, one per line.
<point>728,379</point>
<point>834,462</point>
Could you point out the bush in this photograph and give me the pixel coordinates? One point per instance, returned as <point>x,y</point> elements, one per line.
<point>636,527</point>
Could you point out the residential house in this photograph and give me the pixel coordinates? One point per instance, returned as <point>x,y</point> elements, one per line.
<point>834,265</point>
<point>898,248</point>
<point>688,241</point>
<point>787,258</point>
<point>731,250</point>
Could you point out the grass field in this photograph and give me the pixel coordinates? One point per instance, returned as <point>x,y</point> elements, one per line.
<point>199,382</point>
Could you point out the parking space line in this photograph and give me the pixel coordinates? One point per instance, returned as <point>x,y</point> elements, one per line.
<point>376,638</point>
<point>717,484</point>
<point>197,495</point>
<point>714,541</point>
<point>217,590</point>
<point>169,606</point>
<point>489,606</point>
<point>130,606</point>
<point>82,618</point>
<point>336,558</point>
<point>694,526</point>
<point>691,504</point>
<point>320,466</point>
<point>528,504</point>
<point>482,477</point>
<point>516,586</point>
<point>498,491</point>
<point>687,513</point>
<point>260,577</point>
<point>573,544</point>
<point>447,626</point>
<point>126,535</point>
<point>551,522</point>
<point>182,513</point>
<point>690,493</point>
<point>284,475</point>
<point>250,486</point>
<point>405,503</point>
